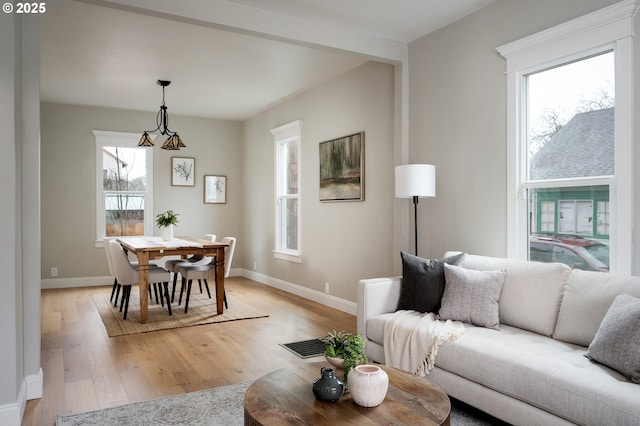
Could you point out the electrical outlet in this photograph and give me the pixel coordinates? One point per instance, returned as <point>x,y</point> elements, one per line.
<point>54,271</point>
<point>255,266</point>
<point>326,288</point>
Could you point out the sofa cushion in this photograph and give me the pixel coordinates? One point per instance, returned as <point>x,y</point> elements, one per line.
<point>617,342</point>
<point>423,282</point>
<point>586,300</point>
<point>549,374</point>
<point>531,293</point>
<point>471,296</point>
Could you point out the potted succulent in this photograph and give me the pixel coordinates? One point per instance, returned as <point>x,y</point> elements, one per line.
<point>166,221</point>
<point>344,350</point>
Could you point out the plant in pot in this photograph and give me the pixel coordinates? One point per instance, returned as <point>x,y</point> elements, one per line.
<point>344,350</point>
<point>166,221</point>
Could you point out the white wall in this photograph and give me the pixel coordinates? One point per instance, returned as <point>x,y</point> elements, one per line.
<point>458,119</point>
<point>342,242</point>
<point>69,189</point>
<point>20,375</point>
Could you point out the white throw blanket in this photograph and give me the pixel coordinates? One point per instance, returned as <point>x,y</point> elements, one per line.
<point>412,339</point>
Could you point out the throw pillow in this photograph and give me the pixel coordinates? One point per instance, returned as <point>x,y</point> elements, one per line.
<point>617,341</point>
<point>423,282</point>
<point>472,296</point>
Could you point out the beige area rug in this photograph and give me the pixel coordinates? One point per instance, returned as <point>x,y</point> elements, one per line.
<point>202,310</point>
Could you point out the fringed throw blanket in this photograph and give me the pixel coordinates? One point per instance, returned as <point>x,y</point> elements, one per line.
<point>412,339</point>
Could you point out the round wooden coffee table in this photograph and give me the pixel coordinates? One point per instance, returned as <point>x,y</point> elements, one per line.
<point>285,397</point>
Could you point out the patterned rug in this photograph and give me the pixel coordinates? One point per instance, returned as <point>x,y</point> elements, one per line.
<point>212,407</point>
<point>202,310</point>
<point>222,406</point>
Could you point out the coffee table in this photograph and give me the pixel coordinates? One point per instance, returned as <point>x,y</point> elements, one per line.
<point>285,397</point>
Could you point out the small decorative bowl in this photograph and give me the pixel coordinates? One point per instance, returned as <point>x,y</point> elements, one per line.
<point>336,362</point>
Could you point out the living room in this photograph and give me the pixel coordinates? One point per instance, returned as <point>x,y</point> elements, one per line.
<point>446,105</point>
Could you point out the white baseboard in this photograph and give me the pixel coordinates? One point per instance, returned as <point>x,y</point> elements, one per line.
<point>34,385</point>
<point>75,282</point>
<point>317,296</point>
<point>289,287</point>
<point>11,414</point>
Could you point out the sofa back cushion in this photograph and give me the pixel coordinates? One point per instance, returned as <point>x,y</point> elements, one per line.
<point>532,291</point>
<point>586,300</point>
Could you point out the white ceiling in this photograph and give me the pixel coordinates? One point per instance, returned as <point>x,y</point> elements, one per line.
<point>227,59</point>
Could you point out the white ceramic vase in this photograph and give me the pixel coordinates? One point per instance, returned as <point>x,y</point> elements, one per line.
<point>368,385</point>
<point>167,233</point>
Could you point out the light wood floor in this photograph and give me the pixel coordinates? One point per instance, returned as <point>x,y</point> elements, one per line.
<point>84,369</point>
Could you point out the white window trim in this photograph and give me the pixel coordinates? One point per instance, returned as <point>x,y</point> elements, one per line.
<point>606,29</point>
<point>284,134</point>
<point>127,140</point>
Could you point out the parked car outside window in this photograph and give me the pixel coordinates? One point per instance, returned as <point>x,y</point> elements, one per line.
<point>576,251</point>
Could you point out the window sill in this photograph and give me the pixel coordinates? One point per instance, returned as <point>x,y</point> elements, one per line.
<point>288,256</point>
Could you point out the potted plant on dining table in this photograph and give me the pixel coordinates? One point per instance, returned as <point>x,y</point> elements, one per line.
<point>166,221</point>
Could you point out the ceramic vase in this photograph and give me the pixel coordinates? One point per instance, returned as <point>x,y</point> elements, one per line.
<point>167,233</point>
<point>368,385</point>
<point>328,387</point>
<point>336,362</point>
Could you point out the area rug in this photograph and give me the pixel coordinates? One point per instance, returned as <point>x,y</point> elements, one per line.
<point>222,406</point>
<point>218,406</point>
<point>202,310</point>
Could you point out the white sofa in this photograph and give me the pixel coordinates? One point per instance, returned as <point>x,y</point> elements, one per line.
<point>533,370</point>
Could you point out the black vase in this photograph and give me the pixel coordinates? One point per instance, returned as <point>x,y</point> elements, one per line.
<point>328,387</point>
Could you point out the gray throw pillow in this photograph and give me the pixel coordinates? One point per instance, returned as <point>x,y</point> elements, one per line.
<point>423,282</point>
<point>617,342</point>
<point>472,296</point>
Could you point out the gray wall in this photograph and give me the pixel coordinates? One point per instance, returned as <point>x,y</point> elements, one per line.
<point>20,375</point>
<point>342,242</point>
<point>458,119</point>
<point>69,189</point>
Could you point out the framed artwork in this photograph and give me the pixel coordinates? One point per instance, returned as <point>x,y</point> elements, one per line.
<point>342,168</point>
<point>215,189</point>
<point>183,170</point>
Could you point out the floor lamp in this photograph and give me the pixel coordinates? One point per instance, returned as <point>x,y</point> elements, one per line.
<point>415,181</point>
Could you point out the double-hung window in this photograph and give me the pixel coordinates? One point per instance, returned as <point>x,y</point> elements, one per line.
<point>124,186</point>
<point>287,140</point>
<point>570,142</point>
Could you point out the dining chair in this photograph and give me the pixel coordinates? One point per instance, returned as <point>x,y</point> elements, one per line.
<point>127,275</point>
<point>206,272</point>
<point>196,259</point>
<point>115,290</point>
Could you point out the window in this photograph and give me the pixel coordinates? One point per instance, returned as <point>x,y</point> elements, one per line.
<point>124,186</point>
<point>570,139</point>
<point>287,139</point>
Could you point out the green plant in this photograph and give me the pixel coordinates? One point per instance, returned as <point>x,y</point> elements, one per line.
<point>167,218</point>
<point>347,346</point>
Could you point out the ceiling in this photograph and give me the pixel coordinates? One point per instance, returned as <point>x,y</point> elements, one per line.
<point>227,59</point>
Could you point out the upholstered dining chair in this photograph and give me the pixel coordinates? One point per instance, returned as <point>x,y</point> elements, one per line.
<point>115,290</point>
<point>127,275</point>
<point>206,272</point>
<point>172,265</point>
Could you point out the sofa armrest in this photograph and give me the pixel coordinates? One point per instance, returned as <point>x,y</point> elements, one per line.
<point>376,296</point>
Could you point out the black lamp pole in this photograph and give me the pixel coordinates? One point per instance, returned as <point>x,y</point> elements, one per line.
<point>415,221</point>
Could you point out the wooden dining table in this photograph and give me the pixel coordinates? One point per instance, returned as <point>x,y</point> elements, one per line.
<point>149,248</point>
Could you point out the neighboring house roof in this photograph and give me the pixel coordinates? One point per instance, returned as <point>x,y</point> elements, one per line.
<point>583,147</point>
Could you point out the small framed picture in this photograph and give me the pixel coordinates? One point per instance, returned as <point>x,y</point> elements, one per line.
<point>215,189</point>
<point>183,171</point>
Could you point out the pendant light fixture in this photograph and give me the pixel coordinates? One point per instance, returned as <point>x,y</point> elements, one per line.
<point>162,120</point>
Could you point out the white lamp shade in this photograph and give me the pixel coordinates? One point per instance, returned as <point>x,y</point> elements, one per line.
<point>415,180</point>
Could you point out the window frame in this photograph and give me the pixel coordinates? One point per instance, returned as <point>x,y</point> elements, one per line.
<point>282,135</point>
<point>124,140</point>
<point>610,28</point>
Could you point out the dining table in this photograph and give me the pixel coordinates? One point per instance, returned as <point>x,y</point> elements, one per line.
<point>149,248</point>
